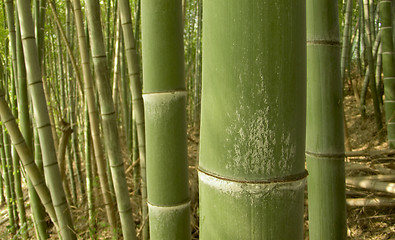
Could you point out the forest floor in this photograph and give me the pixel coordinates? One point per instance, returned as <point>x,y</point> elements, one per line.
<point>376,223</point>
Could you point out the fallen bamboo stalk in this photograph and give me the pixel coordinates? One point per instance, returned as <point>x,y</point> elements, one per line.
<point>376,169</point>
<point>371,185</point>
<point>366,153</point>
<point>380,177</point>
<point>370,202</point>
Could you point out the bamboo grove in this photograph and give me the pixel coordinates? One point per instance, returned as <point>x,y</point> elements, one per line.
<point>97,98</point>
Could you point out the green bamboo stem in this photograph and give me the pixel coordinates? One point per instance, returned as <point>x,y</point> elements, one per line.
<point>324,135</point>
<point>11,179</point>
<point>251,165</point>
<point>68,47</point>
<point>89,177</point>
<point>93,115</point>
<point>17,174</point>
<point>388,69</point>
<point>26,157</point>
<point>51,169</point>
<point>133,62</point>
<point>2,197</point>
<point>346,40</point>
<point>366,81</point>
<point>110,130</point>
<point>379,81</point>
<point>73,100</point>
<point>8,185</point>
<point>372,82</point>
<point>165,118</point>
<point>15,160</point>
<point>26,129</point>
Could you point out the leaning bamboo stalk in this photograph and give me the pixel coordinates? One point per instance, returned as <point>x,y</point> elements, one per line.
<point>370,153</point>
<point>110,129</point>
<point>371,185</point>
<point>8,186</point>
<point>372,83</point>
<point>371,202</point>
<point>380,177</point>
<point>93,115</point>
<point>68,48</point>
<point>26,157</point>
<point>137,100</point>
<point>51,169</point>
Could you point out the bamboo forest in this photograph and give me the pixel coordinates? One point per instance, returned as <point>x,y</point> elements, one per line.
<point>197,119</point>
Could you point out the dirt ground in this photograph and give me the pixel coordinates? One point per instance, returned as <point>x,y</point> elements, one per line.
<point>376,223</point>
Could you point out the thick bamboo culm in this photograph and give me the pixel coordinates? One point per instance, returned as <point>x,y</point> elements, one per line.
<point>251,165</point>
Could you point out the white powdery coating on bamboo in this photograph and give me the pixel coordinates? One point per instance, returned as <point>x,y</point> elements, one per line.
<point>166,211</point>
<point>255,189</point>
<point>255,134</point>
<point>157,104</point>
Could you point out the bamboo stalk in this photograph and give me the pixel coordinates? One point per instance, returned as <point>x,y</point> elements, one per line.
<point>370,202</point>
<point>110,129</point>
<point>26,157</point>
<point>165,118</point>
<point>251,166</point>
<point>371,185</point>
<point>93,116</point>
<point>51,169</point>
<point>388,68</point>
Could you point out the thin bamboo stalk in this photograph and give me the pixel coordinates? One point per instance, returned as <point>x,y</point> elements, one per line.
<point>38,210</point>
<point>51,169</point>
<point>372,82</point>
<point>26,158</point>
<point>133,62</point>
<point>371,202</point>
<point>371,184</point>
<point>93,115</point>
<point>110,130</point>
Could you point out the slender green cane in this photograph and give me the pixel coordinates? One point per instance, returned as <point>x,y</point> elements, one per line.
<point>133,62</point>
<point>388,68</point>
<point>110,130</point>
<point>51,169</point>
<point>93,115</point>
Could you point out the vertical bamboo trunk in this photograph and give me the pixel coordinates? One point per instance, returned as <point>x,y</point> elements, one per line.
<point>15,160</point>
<point>379,81</point>
<point>110,130</point>
<point>251,166</point>
<point>51,169</point>
<point>165,111</point>
<point>388,68</point>
<point>93,115</point>
<point>324,136</point>
<point>133,61</point>
<point>26,129</point>
<point>372,82</point>
<point>89,177</point>
<point>8,186</point>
